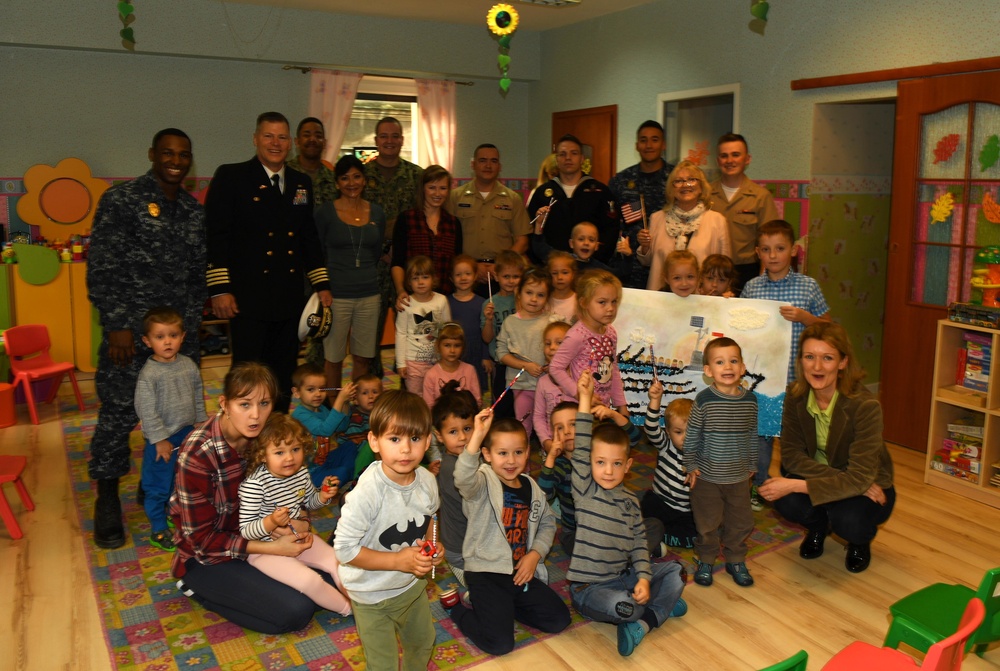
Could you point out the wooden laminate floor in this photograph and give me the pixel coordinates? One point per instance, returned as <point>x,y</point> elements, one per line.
<point>49,618</point>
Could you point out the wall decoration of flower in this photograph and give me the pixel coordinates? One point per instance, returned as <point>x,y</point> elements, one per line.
<point>60,200</point>
<point>502,21</point>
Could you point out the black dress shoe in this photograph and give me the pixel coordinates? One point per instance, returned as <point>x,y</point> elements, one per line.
<point>812,545</point>
<point>859,556</point>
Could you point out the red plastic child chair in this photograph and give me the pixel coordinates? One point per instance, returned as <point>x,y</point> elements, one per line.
<point>11,468</point>
<point>28,348</point>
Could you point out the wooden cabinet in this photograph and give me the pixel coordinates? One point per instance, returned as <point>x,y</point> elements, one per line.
<point>949,465</point>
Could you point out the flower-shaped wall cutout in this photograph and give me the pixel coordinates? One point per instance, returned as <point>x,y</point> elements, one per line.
<point>60,200</point>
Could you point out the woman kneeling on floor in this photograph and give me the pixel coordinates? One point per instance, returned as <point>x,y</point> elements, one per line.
<point>837,473</point>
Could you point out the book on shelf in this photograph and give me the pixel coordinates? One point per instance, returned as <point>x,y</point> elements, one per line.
<point>961,448</point>
<point>955,471</point>
<point>978,356</point>
<point>967,426</point>
<point>945,455</point>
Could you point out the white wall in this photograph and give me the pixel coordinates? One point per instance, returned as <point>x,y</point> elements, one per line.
<point>629,57</point>
<point>70,89</point>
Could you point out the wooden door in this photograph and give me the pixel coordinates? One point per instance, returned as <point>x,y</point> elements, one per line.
<point>945,163</point>
<point>597,128</point>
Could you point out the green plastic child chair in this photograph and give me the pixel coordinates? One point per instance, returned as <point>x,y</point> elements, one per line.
<point>932,613</point>
<point>796,662</point>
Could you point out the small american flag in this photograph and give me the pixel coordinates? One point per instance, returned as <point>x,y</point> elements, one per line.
<point>631,212</point>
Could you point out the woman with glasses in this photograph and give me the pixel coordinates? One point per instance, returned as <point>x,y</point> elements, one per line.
<point>685,222</point>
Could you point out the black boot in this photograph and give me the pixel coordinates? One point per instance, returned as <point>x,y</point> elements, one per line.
<point>109,532</point>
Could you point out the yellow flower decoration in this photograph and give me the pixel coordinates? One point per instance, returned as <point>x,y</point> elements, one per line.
<point>60,200</point>
<point>942,207</point>
<point>502,19</point>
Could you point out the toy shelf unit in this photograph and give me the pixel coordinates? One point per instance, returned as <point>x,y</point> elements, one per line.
<point>963,443</point>
<point>215,346</point>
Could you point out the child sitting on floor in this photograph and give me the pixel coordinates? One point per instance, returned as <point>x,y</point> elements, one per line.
<point>611,577</point>
<point>277,488</point>
<point>509,533</point>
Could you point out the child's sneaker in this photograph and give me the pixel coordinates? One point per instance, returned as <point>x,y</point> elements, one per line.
<point>755,501</point>
<point>703,574</point>
<point>680,608</point>
<point>741,576</point>
<point>449,598</point>
<point>629,636</point>
<point>163,540</point>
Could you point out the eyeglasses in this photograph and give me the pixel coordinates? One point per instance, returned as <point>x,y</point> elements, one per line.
<point>685,182</point>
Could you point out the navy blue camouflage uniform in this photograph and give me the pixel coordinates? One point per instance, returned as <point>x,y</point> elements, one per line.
<point>626,186</point>
<point>145,250</point>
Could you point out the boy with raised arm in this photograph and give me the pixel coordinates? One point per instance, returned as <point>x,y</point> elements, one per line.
<point>610,575</point>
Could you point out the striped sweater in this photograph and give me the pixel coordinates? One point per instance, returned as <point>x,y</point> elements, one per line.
<point>721,438</point>
<point>668,479</point>
<point>609,530</point>
<point>261,493</point>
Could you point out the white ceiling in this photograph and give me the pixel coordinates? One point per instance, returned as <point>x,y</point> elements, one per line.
<point>533,17</point>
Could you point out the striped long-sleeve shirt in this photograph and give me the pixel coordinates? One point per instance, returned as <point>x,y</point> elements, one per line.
<point>721,439</point>
<point>261,493</point>
<point>668,479</point>
<point>609,531</point>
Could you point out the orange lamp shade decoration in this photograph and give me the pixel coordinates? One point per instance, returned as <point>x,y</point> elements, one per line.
<point>60,200</point>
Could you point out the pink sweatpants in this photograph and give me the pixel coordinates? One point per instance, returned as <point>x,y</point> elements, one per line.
<point>296,572</point>
<point>524,407</point>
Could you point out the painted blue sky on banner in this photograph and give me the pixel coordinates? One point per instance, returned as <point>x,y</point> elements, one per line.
<point>677,330</point>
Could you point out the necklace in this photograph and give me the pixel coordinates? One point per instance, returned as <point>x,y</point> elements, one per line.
<point>347,211</point>
<point>361,240</point>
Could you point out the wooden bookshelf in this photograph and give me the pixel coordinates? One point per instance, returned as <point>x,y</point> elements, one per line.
<point>953,403</point>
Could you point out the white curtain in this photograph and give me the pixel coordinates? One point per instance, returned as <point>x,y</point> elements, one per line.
<point>331,100</point>
<point>436,100</point>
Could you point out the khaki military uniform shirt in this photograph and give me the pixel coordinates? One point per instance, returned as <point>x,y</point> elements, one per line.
<point>491,224</point>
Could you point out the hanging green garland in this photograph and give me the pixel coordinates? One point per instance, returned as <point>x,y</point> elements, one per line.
<point>502,21</point>
<point>125,9</point>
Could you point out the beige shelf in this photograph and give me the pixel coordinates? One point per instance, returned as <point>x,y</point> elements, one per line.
<point>951,403</point>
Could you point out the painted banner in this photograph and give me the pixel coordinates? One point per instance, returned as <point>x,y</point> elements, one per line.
<point>675,330</point>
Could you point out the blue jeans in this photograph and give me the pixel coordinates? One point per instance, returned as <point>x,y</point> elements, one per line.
<point>339,462</point>
<point>158,480</point>
<point>611,600</point>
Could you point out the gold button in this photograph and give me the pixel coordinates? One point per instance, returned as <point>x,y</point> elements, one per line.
<point>270,234</point>
<point>269,252</point>
<point>291,234</point>
<point>266,272</point>
<point>291,270</point>
<point>291,253</point>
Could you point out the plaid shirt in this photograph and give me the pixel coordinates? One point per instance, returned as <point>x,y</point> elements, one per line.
<point>205,503</point>
<point>413,237</point>
<point>801,291</point>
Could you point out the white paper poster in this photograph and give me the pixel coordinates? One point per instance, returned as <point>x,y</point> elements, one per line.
<point>676,330</point>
